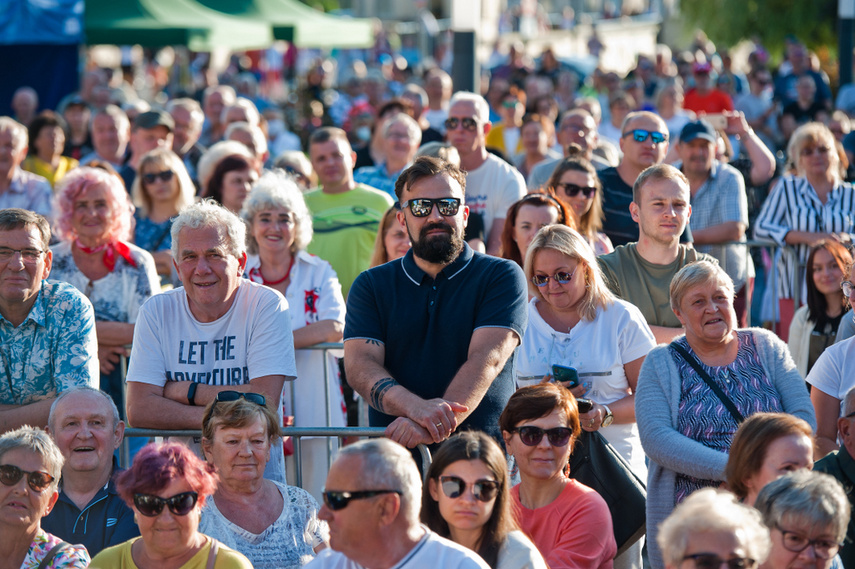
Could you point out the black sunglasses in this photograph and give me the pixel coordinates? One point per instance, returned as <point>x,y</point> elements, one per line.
<point>339,500</point>
<point>712,561</point>
<point>468,123</point>
<point>151,506</point>
<point>421,207</point>
<point>640,135</point>
<point>531,436</point>
<point>482,490</point>
<point>226,396</point>
<point>166,176</point>
<point>572,190</point>
<point>38,481</point>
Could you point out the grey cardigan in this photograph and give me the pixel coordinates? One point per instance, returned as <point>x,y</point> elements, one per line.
<point>657,401</point>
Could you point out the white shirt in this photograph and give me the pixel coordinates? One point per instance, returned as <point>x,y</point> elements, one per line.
<point>832,372</point>
<point>598,349</point>
<point>492,188</point>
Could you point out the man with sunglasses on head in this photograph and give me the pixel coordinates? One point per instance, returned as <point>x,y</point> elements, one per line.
<point>428,338</point>
<point>493,184</point>
<point>719,208</point>
<point>372,499</point>
<point>644,143</point>
<point>219,332</point>
<point>641,272</point>
<point>47,329</point>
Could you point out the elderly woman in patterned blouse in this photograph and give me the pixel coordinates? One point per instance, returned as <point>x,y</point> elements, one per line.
<point>94,221</point>
<point>693,393</point>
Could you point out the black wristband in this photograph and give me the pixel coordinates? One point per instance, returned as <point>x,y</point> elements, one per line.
<point>191,393</point>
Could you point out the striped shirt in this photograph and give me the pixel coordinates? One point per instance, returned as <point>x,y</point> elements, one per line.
<point>794,205</point>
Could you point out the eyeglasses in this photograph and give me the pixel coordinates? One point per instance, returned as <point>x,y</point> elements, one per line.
<point>151,506</point>
<point>640,135</point>
<point>166,176</point>
<point>468,123</point>
<point>846,286</point>
<point>712,561</point>
<point>560,277</point>
<point>795,542</point>
<point>421,207</point>
<point>572,190</point>
<point>482,490</point>
<point>531,436</point>
<point>27,255</point>
<point>339,500</point>
<point>226,396</point>
<point>37,481</point>
<point>814,150</point>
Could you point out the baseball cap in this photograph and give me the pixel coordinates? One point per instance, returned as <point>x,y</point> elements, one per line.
<point>698,129</point>
<point>152,119</point>
<point>702,68</point>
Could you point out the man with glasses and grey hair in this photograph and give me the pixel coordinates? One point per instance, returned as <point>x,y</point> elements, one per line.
<point>47,329</point>
<point>84,422</point>
<point>219,332</point>
<point>371,503</point>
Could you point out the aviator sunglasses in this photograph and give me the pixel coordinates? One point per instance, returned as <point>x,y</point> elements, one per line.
<point>712,561</point>
<point>468,123</point>
<point>166,176</point>
<point>151,506</point>
<point>482,490</point>
<point>531,436</point>
<point>572,190</point>
<point>640,135</point>
<point>561,277</point>
<point>37,481</point>
<point>421,207</point>
<point>339,500</point>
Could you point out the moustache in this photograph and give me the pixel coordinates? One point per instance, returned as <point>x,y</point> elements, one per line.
<point>436,226</point>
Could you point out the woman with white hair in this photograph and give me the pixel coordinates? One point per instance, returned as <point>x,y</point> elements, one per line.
<point>279,228</point>
<point>710,529</point>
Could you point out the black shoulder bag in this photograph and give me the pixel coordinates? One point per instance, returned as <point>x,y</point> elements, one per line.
<point>692,361</point>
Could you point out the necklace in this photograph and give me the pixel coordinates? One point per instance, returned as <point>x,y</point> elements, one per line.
<point>266,282</point>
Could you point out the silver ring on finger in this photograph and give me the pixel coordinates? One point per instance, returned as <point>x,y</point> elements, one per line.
<point>438,425</point>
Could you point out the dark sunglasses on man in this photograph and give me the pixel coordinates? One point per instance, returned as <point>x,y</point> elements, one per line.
<point>421,207</point>
<point>641,135</point>
<point>468,123</point>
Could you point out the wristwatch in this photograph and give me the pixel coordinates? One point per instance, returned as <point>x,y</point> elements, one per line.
<point>191,394</point>
<point>609,418</point>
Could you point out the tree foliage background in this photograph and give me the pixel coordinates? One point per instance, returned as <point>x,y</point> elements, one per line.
<point>727,22</point>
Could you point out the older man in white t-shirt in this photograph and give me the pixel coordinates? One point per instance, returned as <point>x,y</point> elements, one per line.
<point>219,332</point>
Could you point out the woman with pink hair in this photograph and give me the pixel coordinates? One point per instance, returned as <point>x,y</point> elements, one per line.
<point>95,219</point>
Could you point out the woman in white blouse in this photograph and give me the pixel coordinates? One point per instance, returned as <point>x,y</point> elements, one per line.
<point>279,229</point>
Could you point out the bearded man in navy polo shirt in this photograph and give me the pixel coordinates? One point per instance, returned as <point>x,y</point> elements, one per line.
<point>429,337</point>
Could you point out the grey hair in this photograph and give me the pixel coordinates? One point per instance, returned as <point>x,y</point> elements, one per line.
<point>35,440</point>
<point>386,465</point>
<point>123,124</point>
<point>208,213</point>
<point>190,105</point>
<point>482,109</point>
<point>251,111</point>
<point>442,150</point>
<point>849,402</point>
<point>227,91</point>
<point>17,130</point>
<point>277,189</point>
<point>413,89</point>
<point>413,130</point>
<point>711,511</point>
<point>114,411</point>
<point>209,160</point>
<point>813,499</point>
<point>696,274</point>
<point>259,141</point>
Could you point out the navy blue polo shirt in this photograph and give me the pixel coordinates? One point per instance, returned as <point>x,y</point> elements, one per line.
<point>426,325</point>
<point>104,522</point>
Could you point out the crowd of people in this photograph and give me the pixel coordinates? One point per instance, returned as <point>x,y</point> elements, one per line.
<point>505,278</point>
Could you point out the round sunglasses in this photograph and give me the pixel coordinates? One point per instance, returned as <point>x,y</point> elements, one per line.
<point>180,504</point>
<point>482,490</point>
<point>531,436</point>
<point>37,481</point>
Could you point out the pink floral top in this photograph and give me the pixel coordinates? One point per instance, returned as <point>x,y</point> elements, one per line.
<point>72,557</point>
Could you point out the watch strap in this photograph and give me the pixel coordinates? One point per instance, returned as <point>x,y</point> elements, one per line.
<point>191,393</point>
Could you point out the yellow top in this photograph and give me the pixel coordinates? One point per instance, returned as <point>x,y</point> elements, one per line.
<point>38,166</point>
<point>119,557</point>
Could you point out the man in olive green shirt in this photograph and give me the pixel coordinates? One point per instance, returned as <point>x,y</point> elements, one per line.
<point>345,216</point>
<point>641,272</point>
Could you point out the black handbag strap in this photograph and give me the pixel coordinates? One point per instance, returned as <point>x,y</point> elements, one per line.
<point>47,559</point>
<point>692,361</point>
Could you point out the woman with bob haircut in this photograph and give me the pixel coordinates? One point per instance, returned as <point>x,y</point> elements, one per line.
<point>765,447</point>
<point>807,514</point>
<point>525,218</point>
<point>575,321</point>
<point>166,487</point>
<point>576,183</point>
<point>568,522</point>
<point>711,528</point>
<point>686,427</point>
<point>95,217</point>
<point>279,228</point>
<point>230,182</point>
<point>467,499</point>
<point>161,189</point>
<point>392,241</point>
<point>30,469</point>
<point>276,526</point>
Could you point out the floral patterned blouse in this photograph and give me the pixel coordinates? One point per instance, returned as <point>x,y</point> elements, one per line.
<point>71,557</point>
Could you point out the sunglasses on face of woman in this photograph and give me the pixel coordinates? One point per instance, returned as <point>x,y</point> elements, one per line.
<point>180,504</point>
<point>482,490</point>
<point>152,177</point>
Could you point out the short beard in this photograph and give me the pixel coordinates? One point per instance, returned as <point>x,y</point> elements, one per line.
<point>437,249</point>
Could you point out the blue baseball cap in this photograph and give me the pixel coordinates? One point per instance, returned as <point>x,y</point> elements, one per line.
<point>698,129</point>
